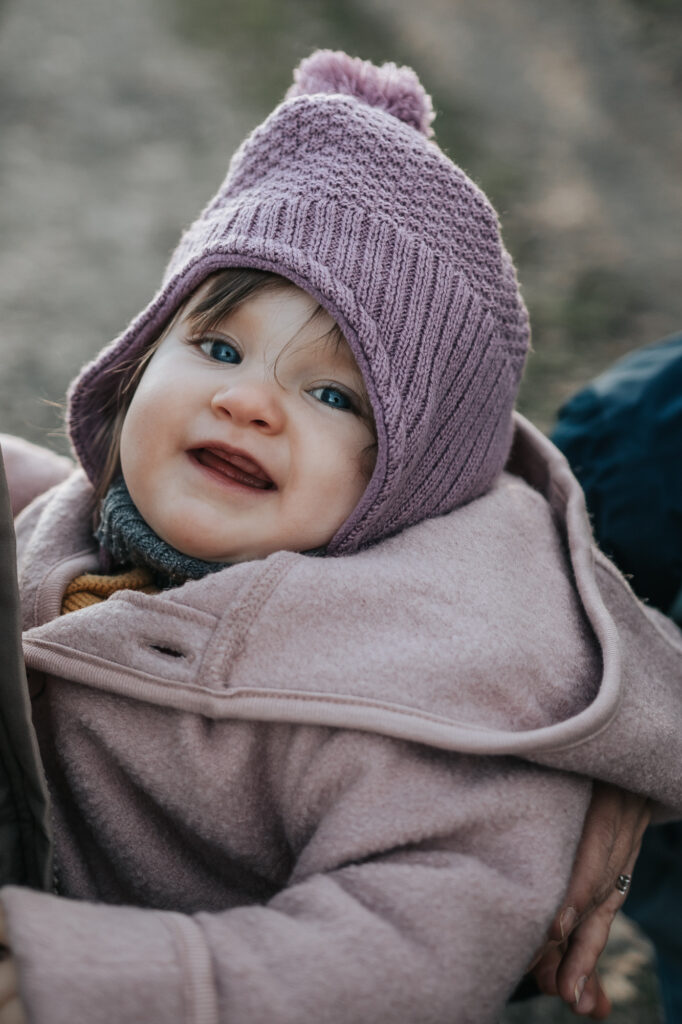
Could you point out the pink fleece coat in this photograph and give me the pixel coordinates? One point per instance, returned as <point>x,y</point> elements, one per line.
<point>332,790</point>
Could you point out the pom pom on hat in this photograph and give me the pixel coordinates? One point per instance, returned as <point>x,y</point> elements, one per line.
<point>397,90</point>
<point>341,192</point>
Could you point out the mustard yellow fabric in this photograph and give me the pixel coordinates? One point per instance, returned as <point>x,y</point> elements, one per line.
<point>91,588</point>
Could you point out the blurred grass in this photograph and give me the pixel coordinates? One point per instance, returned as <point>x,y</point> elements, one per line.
<point>267,38</point>
<point>600,303</point>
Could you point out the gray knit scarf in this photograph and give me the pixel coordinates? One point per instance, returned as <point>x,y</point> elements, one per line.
<point>126,539</point>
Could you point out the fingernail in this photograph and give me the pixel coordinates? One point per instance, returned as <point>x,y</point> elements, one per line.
<point>578,990</point>
<point>586,1003</point>
<point>567,921</point>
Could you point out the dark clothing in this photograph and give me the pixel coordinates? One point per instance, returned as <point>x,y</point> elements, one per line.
<point>623,437</point>
<point>24,830</point>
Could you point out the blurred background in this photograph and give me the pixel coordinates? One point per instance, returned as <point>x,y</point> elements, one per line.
<point>117,121</point>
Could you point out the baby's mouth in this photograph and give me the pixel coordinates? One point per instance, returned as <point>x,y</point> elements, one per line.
<point>236,467</point>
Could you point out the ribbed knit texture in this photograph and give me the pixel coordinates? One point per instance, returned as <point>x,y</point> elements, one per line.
<point>368,215</point>
<point>92,588</point>
<point>126,539</point>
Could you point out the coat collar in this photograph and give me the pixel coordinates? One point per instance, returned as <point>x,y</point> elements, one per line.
<point>487,631</point>
<point>430,624</point>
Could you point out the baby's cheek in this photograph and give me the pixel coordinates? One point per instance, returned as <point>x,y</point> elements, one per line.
<point>131,446</point>
<point>137,454</point>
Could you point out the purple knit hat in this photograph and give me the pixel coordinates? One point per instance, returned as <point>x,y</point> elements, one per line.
<point>341,191</point>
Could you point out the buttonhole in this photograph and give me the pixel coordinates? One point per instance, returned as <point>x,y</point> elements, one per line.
<point>170,652</point>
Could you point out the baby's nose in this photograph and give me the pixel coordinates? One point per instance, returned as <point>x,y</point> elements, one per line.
<point>251,403</point>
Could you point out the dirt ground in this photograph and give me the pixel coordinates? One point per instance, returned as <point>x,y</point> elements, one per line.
<point>117,122</point>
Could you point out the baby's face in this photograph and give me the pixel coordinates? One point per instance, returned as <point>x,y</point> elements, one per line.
<point>252,437</point>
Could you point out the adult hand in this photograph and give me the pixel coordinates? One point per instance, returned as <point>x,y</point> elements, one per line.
<point>11,1008</point>
<point>610,842</point>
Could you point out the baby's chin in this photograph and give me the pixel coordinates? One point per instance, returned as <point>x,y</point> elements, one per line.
<point>192,548</point>
<point>206,553</point>
<point>235,555</point>
<point>195,542</point>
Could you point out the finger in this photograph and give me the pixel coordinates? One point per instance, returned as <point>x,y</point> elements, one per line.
<point>593,1000</point>
<point>586,946</point>
<point>587,943</point>
<point>545,950</point>
<point>8,981</point>
<point>612,833</point>
<point>12,1012</point>
<point>545,970</point>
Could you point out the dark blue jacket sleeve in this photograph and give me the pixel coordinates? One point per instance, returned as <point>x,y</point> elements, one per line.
<point>623,437</point>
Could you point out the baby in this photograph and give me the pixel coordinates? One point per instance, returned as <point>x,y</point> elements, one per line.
<point>263,436</point>
<point>320,701</point>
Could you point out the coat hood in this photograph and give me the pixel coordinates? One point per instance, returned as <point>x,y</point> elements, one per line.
<point>497,629</point>
<point>342,192</point>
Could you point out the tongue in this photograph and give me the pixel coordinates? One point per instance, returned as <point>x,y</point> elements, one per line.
<point>237,467</point>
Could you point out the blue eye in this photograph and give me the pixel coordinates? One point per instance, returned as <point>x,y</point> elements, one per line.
<point>220,350</point>
<point>332,396</point>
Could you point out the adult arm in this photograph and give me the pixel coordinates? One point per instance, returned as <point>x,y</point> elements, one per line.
<point>30,470</point>
<point>612,835</point>
<point>421,884</point>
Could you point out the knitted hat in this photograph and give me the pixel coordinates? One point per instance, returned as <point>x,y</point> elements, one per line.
<point>342,191</point>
